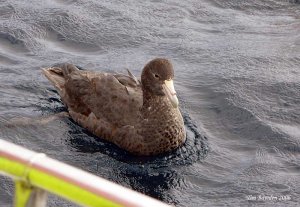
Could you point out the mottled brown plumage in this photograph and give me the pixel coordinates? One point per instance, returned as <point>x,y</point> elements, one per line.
<point>140,117</point>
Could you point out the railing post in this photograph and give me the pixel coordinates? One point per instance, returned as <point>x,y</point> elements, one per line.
<point>34,175</point>
<point>29,196</point>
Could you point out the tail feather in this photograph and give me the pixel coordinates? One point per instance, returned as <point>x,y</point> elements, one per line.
<point>56,77</point>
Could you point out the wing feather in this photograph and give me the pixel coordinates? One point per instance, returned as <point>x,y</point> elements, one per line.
<point>113,98</point>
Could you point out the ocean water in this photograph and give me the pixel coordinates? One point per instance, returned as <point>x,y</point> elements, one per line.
<point>237,74</point>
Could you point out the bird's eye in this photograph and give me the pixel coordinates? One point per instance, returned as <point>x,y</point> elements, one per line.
<point>156,76</point>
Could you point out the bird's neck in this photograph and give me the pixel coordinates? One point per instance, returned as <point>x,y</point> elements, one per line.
<point>154,105</point>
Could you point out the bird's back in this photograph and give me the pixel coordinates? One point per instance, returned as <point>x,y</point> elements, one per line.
<point>112,98</point>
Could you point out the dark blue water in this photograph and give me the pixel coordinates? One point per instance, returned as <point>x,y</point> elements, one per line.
<point>237,68</point>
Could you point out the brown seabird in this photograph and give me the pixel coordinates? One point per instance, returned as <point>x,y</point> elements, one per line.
<point>141,117</point>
